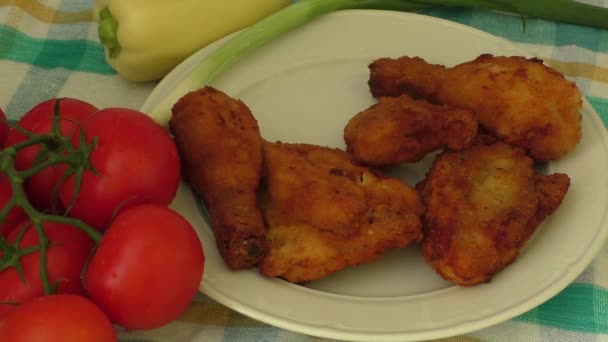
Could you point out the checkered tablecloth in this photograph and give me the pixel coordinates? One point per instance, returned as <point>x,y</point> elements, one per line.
<point>50,49</point>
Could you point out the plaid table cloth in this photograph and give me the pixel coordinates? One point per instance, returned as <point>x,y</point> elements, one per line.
<point>50,49</point>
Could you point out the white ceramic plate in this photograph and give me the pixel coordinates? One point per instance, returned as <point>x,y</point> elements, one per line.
<point>304,87</point>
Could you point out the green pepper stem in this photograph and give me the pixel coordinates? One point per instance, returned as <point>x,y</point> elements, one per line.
<point>108,32</point>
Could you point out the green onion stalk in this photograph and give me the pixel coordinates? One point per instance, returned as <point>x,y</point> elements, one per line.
<point>566,11</point>
<point>304,11</point>
<point>54,149</point>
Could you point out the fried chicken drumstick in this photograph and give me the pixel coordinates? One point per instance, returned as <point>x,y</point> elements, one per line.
<point>221,149</point>
<point>400,129</point>
<point>521,101</point>
<point>482,205</point>
<point>325,212</point>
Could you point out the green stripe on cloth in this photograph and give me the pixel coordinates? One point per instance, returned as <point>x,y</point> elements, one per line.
<point>53,53</point>
<point>579,308</point>
<point>536,31</point>
<point>586,37</point>
<point>601,107</point>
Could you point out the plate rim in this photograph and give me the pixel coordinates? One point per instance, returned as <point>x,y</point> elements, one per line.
<point>566,278</point>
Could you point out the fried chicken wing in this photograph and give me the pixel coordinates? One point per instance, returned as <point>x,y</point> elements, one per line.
<point>221,149</point>
<point>482,205</point>
<point>325,212</point>
<point>519,100</point>
<point>400,129</point>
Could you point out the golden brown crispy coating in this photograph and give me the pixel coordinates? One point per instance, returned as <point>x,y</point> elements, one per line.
<point>400,129</point>
<point>482,205</point>
<point>221,149</point>
<point>518,100</point>
<point>324,212</point>
<point>405,75</point>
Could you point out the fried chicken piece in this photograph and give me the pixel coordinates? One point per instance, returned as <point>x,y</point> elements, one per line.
<point>400,129</point>
<point>221,150</point>
<point>519,100</point>
<point>482,205</point>
<point>324,212</point>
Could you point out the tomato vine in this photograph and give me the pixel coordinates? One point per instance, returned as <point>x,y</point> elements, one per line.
<point>56,149</point>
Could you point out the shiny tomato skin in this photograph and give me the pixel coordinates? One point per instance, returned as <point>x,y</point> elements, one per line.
<point>62,317</point>
<point>147,268</point>
<point>16,214</point>
<point>136,162</point>
<point>67,255</point>
<point>39,120</point>
<point>3,129</point>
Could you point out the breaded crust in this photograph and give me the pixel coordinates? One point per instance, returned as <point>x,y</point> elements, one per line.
<point>221,150</point>
<point>325,212</point>
<point>400,130</point>
<point>518,100</point>
<point>482,205</point>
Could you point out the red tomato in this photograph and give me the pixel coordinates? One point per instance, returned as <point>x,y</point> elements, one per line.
<point>147,268</point>
<point>40,120</point>
<point>65,318</point>
<point>3,129</point>
<point>67,254</point>
<point>16,214</point>
<point>136,162</point>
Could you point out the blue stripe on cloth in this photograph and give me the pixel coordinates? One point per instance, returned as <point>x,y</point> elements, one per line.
<point>586,37</point>
<point>591,40</point>
<point>601,107</point>
<point>30,92</point>
<point>600,303</point>
<point>604,40</point>
<point>77,54</point>
<point>579,307</point>
<point>536,31</point>
<point>460,15</point>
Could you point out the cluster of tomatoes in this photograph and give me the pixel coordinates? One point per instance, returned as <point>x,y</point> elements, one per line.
<point>145,265</point>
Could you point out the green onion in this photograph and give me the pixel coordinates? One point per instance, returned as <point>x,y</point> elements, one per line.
<point>567,11</point>
<point>263,31</point>
<point>306,10</point>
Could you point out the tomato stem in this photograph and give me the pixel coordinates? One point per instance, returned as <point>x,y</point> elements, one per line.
<point>5,247</point>
<point>43,243</point>
<point>35,139</point>
<point>4,212</point>
<point>52,160</point>
<point>20,199</point>
<point>55,149</point>
<point>93,234</point>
